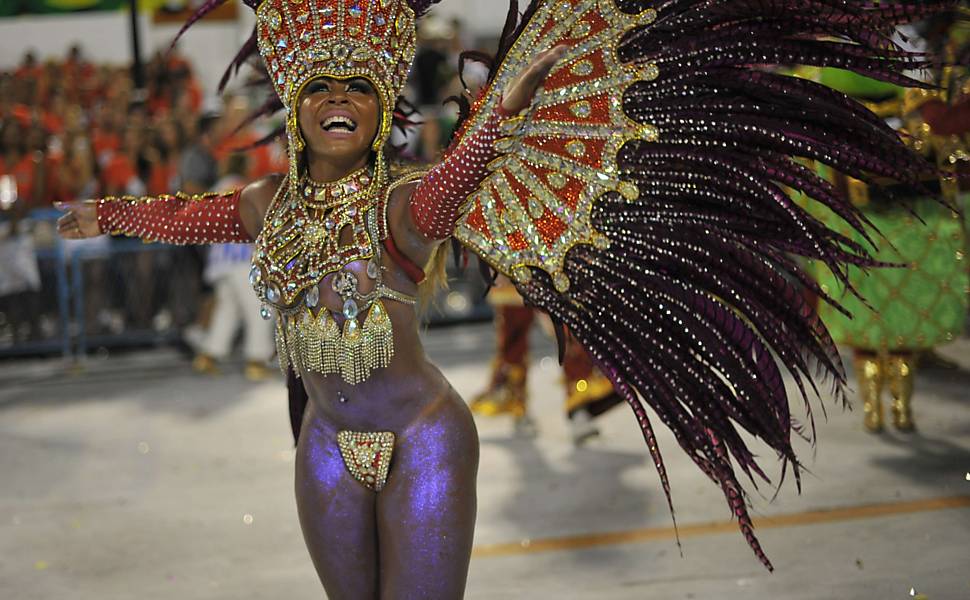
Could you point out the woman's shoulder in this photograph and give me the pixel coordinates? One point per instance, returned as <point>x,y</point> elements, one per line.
<point>255,198</point>
<point>264,186</point>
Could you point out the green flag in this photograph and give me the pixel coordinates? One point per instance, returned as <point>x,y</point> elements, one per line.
<point>21,7</point>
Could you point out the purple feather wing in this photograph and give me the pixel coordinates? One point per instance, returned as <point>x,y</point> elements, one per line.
<point>639,202</point>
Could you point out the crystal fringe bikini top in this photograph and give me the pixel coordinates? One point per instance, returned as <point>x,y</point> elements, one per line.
<point>300,245</point>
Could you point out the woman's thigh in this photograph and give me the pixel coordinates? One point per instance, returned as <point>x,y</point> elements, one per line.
<point>337,515</point>
<point>426,512</point>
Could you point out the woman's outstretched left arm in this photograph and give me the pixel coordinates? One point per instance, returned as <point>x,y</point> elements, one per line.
<point>436,202</point>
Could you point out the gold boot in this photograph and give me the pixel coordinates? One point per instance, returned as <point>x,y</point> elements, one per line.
<point>205,365</point>
<point>870,373</point>
<point>505,395</point>
<point>900,370</point>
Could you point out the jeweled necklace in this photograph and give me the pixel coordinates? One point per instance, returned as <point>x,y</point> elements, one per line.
<point>323,196</point>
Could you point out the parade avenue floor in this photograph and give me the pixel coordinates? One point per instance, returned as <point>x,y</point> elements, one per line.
<point>134,478</point>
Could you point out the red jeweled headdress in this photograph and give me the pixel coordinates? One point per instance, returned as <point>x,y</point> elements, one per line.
<point>301,40</point>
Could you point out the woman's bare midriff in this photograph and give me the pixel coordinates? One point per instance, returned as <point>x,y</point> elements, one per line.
<point>408,389</point>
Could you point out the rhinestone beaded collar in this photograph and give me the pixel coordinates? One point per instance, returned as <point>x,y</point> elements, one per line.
<point>324,196</point>
<point>300,241</point>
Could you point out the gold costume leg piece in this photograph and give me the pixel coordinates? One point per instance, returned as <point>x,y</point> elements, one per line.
<point>900,371</point>
<point>367,456</point>
<point>506,394</point>
<point>870,372</point>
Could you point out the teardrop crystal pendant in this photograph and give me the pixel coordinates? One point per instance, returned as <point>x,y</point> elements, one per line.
<point>373,269</point>
<point>313,297</point>
<point>265,313</point>
<point>254,276</point>
<point>273,294</point>
<point>351,309</point>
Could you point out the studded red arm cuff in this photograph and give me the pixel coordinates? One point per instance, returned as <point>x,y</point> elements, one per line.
<point>437,201</point>
<point>178,219</point>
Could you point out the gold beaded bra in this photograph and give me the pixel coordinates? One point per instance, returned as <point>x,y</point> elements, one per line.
<point>301,244</point>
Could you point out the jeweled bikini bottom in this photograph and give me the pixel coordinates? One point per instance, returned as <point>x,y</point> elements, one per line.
<point>367,456</point>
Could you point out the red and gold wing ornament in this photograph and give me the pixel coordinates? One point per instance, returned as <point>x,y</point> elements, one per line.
<point>560,155</point>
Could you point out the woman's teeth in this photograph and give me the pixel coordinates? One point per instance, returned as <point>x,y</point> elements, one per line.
<point>339,122</point>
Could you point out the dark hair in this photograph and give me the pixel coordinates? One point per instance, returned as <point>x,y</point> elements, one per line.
<point>206,123</point>
<point>237,163</point>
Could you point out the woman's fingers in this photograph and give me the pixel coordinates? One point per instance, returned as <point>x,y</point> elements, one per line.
<point>520,91</point>
<point>80,220</point>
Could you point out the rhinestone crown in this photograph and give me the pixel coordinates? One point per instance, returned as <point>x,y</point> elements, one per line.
<point>301,40</point>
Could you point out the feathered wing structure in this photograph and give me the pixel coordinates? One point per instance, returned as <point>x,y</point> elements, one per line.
<point>640,201</point>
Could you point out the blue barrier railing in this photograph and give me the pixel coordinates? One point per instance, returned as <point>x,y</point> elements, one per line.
<point>67,310</point>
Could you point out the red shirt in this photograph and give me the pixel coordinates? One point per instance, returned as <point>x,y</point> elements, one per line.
<point>117,173</point>
<point>159,181</point>
<point>25,174</point>
<point>104,143</point>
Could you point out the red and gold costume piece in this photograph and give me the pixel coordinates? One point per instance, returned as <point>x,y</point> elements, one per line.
<point>586,387</point>
<point>507,391</point>
<point>440,197</point>
<point>174,219</point>
<point>560,156</point>
<point>367,456</point>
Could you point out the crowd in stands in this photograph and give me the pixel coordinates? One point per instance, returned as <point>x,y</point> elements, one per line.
<point>74,130</point>
<point>71,129</point>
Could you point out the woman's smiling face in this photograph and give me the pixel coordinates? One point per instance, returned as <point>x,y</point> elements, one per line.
<point>339,119</point>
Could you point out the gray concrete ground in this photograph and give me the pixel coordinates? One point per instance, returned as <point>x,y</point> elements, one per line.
<point>138,479</point>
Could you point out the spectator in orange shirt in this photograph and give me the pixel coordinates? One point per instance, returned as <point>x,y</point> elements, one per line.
<point>76,69</point>
<point>54,116</point>
<point>164,154</point>
<point>231,139</point>
<point>120,176</point>
<point>77,172</point>
<point>32,168</point>
<point>29,69</point>
<point>104,136</point>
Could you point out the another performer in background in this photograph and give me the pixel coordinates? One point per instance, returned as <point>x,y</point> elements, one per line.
<point>588,393</point>
<point>924,305</point>
<point>621,167</point>
<point>235,307</point>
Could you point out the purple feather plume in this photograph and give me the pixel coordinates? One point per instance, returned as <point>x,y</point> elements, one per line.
<point>696,309</point>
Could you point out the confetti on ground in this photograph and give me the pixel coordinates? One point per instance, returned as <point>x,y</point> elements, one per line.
<point>41,565</point>
<point>248,519</point>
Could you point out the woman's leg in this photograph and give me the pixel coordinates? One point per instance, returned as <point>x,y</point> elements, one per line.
<point>426,512</point>
<point>337,515</point>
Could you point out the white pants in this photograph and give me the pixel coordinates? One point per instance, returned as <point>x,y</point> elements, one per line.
<point>237,304</point>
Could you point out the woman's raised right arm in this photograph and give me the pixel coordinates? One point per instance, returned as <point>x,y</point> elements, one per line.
<point>174,219</point>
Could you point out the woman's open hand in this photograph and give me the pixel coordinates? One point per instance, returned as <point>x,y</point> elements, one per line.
<point>80,220</point>
<point>519,92</point>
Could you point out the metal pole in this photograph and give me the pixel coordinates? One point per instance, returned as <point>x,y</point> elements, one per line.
<point>137,69</point>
